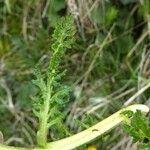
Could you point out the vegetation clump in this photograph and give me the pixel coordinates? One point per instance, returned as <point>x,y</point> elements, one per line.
<point>107,68</point>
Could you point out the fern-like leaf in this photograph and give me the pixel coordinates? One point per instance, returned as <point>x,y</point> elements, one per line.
<point>51,92</point>
<point>138,127</point>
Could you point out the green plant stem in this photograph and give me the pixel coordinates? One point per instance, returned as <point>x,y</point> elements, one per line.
<point>86,135</point>
<point>43,128</point>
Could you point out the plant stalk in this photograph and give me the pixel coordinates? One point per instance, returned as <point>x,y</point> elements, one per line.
<point>43,128</point>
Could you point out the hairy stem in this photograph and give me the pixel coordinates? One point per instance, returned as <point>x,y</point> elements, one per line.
<point>43,124</point>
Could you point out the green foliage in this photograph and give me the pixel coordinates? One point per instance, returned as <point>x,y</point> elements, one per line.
<point>145,9</point>
<point>26,27</point>
<point>137,125</point>
<point>54,11</point>
<point>111,15</point>
<point>106,16</point>
<point>50,100</point>
<point>28,90</point>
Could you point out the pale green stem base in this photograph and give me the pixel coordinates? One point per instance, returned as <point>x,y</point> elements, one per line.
<point>86,135</point>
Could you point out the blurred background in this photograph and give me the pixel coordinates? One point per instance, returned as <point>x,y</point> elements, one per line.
<point>108,66</point>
